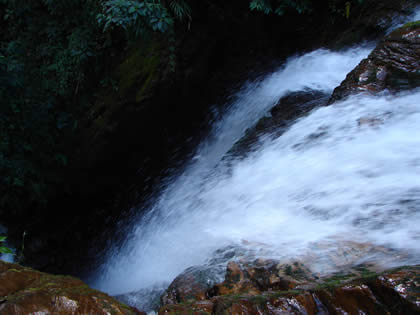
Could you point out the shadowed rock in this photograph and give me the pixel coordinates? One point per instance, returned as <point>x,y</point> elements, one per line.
<point>282,116</point>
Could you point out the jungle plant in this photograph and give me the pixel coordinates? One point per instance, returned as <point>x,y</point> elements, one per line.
<point>279,7</point>
<point>4,249</point>
<point>138,17</point>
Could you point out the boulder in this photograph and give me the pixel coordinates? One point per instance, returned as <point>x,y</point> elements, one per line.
<point>27,291</point>
<point>393,292</point>
<point>192,284</point>
<point>282,115</point>
<point>262,275</point>
<point>393,65</point>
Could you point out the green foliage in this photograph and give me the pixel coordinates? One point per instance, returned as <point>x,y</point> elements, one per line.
<point>49,51</point>
<point>279,7</point>
<point>46,51</point>
<point>137,17</point>
<point>4,249</point>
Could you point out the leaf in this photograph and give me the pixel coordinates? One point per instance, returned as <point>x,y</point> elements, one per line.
<point>5,250</point>
<point>3,238</point>
<point>61,158</point>
<point>348,5</point>
<point>18,182</point>
<point>27,147</point>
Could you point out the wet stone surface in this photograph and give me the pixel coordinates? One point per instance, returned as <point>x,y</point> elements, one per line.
<point>393,65</point>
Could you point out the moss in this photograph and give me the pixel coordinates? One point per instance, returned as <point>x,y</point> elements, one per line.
<point>33,289</point>
<point>364,273</point>
<point>139,70</point>
<point>335,281</point>
<point>123,305</point>
<point>14,270</point>
<point>411,25</point>
<point>277,294</point>
<point>296,273</point>
<point>259,300</point>
<point>288,270</point>
<point>402,268</point>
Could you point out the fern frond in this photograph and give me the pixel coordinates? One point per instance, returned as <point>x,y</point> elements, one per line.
<point>180,9</point>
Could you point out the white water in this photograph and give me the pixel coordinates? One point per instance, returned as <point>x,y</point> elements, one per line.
<point>200,211</point>
<point>327,181</point>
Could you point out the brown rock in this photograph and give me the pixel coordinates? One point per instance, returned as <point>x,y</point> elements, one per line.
<point>26,291</point>
<point>353,299</point>
<point>198,308</point>
<point>283,114</point>
<point>192,284</point>
<point>300,304</point>
<point>260,276</point>
<point>401,288</point>
<point>237,280</point>
<point>394,292</point>
<point>394,65</point>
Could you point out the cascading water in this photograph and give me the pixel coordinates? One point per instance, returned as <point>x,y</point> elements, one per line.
<point>187,222</point>
<point>343,174</point>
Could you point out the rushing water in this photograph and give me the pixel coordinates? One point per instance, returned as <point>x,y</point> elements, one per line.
<point>342,175</point>
<point>199,211</point>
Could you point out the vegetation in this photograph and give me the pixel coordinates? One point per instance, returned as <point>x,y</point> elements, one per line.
<point>49,52</point>
<point>4,249</point>
<point>52,54</point>
<point>279,7</point>
<point>44,58</point>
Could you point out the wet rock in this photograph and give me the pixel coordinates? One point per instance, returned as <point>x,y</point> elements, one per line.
<point>353,299</point>
<point>192,284</point>
<point>197,308</point>
<point>146,299</point>
<point>392,292</point>
<point>393,65</point>
<point>262,275</point>
<point>373,21</point>
<point>282,115</point>
<point>368,121</point>
<point>401,288</point>
<point>26,291</point>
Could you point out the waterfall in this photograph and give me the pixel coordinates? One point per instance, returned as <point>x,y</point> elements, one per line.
<point>342,176</point>
<point>204,208</point>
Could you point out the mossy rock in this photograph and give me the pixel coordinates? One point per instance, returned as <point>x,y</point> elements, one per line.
<point>412,25</point>
<point>27,291</point>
